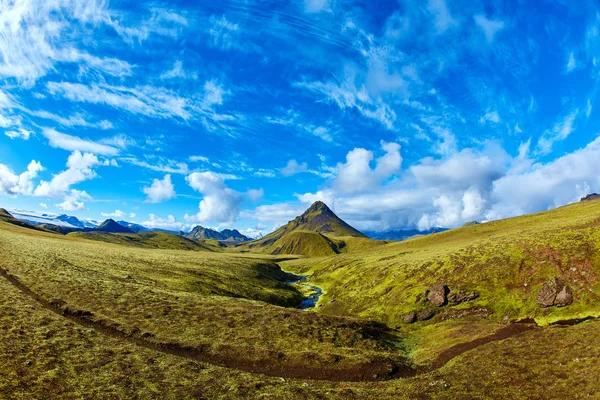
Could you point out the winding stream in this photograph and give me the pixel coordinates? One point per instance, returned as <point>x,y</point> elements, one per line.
<point>314,293</point>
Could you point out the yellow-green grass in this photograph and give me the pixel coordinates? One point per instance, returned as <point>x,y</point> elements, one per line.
<point>506,262</point>
<point>45,356</point>
<point>149,240</point>
<point>225,305</point>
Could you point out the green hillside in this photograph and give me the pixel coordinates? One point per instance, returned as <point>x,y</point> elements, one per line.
<point>148,240</point>
<point>505,262</point>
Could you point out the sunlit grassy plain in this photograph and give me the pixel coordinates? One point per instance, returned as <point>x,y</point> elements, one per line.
<point>231,304</point>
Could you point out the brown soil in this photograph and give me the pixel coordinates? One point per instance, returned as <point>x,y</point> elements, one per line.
<point>506,332</point>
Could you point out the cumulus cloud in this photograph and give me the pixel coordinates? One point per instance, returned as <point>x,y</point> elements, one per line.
<point>170,223</point>
<point>220,203</point>
<point>160,190</point>
<point>549,185</point>
<point>73,201</point>
<point>356,174</point>
<point>79,169</point>
<point>474,184</point>
<point>13,184</point>
<point>43,205</point>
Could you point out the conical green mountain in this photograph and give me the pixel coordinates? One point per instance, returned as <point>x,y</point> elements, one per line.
<point>317,232</point>
<point>112,226</point>
<point>317,218</point>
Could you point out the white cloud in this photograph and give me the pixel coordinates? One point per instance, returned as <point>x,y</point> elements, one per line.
<point>71,121</point>
<point>549,185</point>
<point>365,93</point>
<point>178,72</point>
<point>356,174</point>
<point>12,184</point>
<point>220,203</point>
<point>43,205</point>
<point>170,223</point>
<point>72,143</point>
<point>168,166</point>
<point>144,100</point>
<point>255,194</point>
<point>489,27</point>
<point>115,214</point>
<point>224,34</point>
<point>160,190</point>
<point>38,35</point>
<point>293,168</point>
<point>79,169</point>
<point>199,159</point>
<point>490,116</point>
<point>559,132</point>
<point>442,18</point>
<point>571,63</point>
<point>20,133</point>
<point>73,201</point>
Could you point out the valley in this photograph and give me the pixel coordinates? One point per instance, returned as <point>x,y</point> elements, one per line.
<point>313,310</point>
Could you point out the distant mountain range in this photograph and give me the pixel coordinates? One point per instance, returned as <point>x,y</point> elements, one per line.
<point>226,235</point>
<point>401,234</point>
<point>318,218</point>
<point>62,220</point>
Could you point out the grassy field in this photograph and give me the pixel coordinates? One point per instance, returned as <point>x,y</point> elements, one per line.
<point>90,319</point>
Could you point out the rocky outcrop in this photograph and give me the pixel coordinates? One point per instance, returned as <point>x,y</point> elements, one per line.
<point>425,314</point>
<point>555,293</point>
<point>590,197</point>
<point>461,296</point>
<point>410,317</point>
<point>438,295</point>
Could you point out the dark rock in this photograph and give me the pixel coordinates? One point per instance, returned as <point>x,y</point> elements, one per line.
<point>590,197</point>
<point>461,296</point>
<point>409,318</point>
<point>425,314</point>
<point>437,295</point>
<point>555,293</point>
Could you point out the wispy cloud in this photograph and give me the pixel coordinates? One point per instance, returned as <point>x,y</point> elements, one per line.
<point>559,132</point>
<point>71,143</point>
<point>489,27</point>
<point>168,166</point>
<point>145,100</point>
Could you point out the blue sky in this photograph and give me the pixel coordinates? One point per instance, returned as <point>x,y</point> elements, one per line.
<point>241,113</point>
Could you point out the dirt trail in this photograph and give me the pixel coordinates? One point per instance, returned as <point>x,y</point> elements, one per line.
<point>114,329</point>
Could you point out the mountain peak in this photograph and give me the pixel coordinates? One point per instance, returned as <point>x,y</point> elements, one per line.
<point>111,226</point>
<point>318,206</point>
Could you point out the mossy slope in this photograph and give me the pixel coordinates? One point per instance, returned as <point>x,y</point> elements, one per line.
<point>506,262</point>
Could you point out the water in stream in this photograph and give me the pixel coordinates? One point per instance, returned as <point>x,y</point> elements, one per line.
<point>314,292</point>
